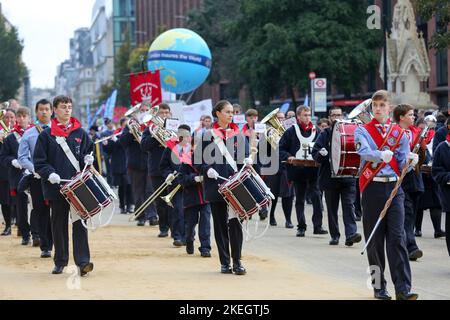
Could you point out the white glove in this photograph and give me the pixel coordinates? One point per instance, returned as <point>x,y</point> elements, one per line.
<point>105,143</point>
<point>414,157</point>
<point>88,159</point>
<point>114,139</point>
<point>248,161</point>
<point>54,178</point>
<point>16,164</point>
<point>36,175</point>
<point>323,152</point>
<point>170,178</point>
<point>212,174</point>
<point>198,179</point>
<point>386,156</point>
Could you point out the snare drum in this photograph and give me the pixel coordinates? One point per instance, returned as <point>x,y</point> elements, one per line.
<point>246,193</point>
<point>88,193</point>
<point>344,159</point>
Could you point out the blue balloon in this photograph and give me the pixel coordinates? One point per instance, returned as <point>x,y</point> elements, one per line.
<point>183,58</point>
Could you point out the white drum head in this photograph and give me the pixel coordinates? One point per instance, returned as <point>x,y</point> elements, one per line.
<point>335,157</point>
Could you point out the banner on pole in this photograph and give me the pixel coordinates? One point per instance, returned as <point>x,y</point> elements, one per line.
<point>145,88</point>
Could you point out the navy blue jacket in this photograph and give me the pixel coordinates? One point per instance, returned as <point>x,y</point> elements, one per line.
<point>289,145</point>
<point>50,158</point>
<point>192,191</point>
<point>168,165</point>
<point>440,135</point>
<point>118,157</point>
<point>205,160</point>
<point>325,180</point>
<point>155,151</point>
<point>430,198</point>
<point>136,159</point>
<point>7,154</point>
<point>441,173</point>
<point>3,169</point>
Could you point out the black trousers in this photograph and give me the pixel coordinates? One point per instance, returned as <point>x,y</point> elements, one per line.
<point>125,195</point>
<point>391,230</point>
<point>42,212</point>
<point>447,231</point>
<point>6,211</point>
<point>301,188</point>
<point>139,186</point>
<point>347,195</point>
<point>411,204</point>
<point>161,207</point>
<point>60,232</point>
<point>228,233</point>
<point>286,204</point>
<point>21,206</point>
<point>357,203</point>
<point>436,219</point>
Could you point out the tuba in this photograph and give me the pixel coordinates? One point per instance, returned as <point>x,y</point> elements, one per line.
<point>156,127</point>
<point>276,130</point>
<point>362,112</point>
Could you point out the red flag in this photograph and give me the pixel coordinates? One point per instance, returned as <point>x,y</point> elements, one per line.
<point>146,88</point>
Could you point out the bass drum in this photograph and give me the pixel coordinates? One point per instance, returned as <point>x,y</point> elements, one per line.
<point>344,158</point>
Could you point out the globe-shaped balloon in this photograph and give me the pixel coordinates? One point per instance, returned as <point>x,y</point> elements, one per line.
<point>183,58</point>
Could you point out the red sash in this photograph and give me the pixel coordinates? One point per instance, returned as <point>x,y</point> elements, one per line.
<point>391,141</point>
<point>415,131</point>
<point>185,158</point>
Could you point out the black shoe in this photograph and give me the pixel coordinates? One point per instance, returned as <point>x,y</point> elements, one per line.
<point>6,232</point>
<point>418,233</point>
<point>300,233</point>
<point>25,241</point>
<point>86,268</point>
<point>416,254</point>
<point>439,234</point>
<point>178,243</point>
<point>205,254</point>
<point>36,242</point>
<point>353,239</point>
<point>407,296</point>
<point>238,268</point>
<point>46,254</point>
<point>273,222</point>
<point>57,270</point>
<point>381,294</point>
<point>153,221</point>
<point>225,268</point>
<point>320,231</point>
<point>163,234</point>
<point>190,247</point>
<point>289,225</point>
<point>140,223</point>
<point>334,241</point>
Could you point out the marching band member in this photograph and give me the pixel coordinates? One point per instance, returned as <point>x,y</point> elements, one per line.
<point>196,208</point>
<point>384,150</point>
<point>155,150</point>
<point>441,133</point>
<point>171,161</point>
<point>335,188</point>
<point>60,152</point>
<point>412,184</point>
<point>109,130</point>
<point>115,150</point>
<point>441,173</point>
<point>214,160</point>
<point>9,119</point>
<point>9,159</point>
<point>300,136</point>
<point>26,151</point>
<point>137,167</point>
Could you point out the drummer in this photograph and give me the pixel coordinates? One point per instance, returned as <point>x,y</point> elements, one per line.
<point>335,187</point>
<point>54,163</point>
<point>302,134</point>
<point>213,162</point>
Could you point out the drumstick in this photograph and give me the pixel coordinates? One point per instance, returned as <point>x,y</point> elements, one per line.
<point>223,178</point>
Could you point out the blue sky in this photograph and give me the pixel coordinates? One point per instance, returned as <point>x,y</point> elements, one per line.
<point>46,27</point>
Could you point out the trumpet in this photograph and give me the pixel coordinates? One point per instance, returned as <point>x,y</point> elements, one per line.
<point>276,130</point>
<point>153,197</point>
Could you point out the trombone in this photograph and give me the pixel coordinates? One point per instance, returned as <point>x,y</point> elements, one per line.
<point>155,196</point>
<point>168,199</point>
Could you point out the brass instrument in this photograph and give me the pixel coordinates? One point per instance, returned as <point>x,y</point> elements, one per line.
<point>157,129</point>
<point>3,126</point>
<point>168,199</point>
<point>133,124</point>
<point>276,130</point>
<point>153,197</point>
<point>362,112</point>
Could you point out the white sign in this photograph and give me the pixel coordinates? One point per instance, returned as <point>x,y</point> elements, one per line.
<point>172,124</point>
<point>239,118</point>
<point>191,113</point>
<point>320,83</point>
<point>260,127</point>
<point>320,95</point>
